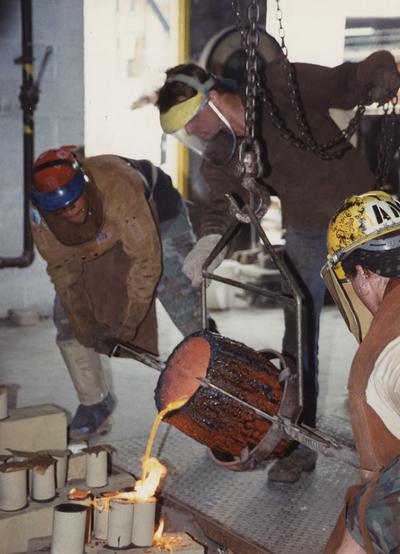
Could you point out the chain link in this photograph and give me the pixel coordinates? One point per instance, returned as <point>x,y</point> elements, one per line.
<point>281,29</point>
<point>250,166</point>
<point>250,41</point>
<point>305,140</point>
<point>386,145</point>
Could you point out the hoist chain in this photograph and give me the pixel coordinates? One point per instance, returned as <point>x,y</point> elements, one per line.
<point>250,42</point>
<point>386,146</point>
<point>306,140</point>
<point>282,33</point>
<point>250,166</point>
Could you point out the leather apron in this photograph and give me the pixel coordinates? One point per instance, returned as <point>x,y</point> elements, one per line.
<point>375,444</point>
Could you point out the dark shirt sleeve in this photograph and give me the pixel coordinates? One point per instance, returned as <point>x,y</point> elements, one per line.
<point>215,215</point>
<point>345,85</point>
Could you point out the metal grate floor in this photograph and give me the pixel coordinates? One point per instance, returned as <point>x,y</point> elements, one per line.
<point>283,518</point>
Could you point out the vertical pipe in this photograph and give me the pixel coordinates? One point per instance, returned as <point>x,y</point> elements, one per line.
<point>28,122</point>
<point>28,98</point>
<point>3,403</point>
<point>183,57</point>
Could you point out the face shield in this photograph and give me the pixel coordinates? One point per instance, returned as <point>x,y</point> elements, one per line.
<point>78,194</point>
<point>355,314</point>
<point>366,223</point>
<point>199,124</point>
<point>59,198</point>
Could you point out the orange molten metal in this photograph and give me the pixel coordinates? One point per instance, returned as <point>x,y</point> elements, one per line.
<point>152,470</point>
<point>175,405</point>
<point>163,542</point>
<point>78,494</point>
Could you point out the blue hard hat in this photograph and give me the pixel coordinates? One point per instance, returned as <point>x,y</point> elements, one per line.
<point>60,198</point>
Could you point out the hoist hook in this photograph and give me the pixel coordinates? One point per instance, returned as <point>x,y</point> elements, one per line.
<point>250,168</point>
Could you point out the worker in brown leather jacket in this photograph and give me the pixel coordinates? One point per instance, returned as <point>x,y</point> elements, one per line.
<point>363,275</point>
<point>114,233</point>
<point>205,113</point>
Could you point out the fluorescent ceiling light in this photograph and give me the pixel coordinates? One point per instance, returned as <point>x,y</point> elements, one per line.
<point>359,31</point>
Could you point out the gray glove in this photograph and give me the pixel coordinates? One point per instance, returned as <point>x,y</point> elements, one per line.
<point>192,266</point>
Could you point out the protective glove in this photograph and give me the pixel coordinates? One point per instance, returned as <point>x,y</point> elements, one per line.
<point>380,71</point>
<point>192,266</point>
<point>386,88</point>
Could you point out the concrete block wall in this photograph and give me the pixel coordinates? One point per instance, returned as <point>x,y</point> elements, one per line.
<point>58,120</point>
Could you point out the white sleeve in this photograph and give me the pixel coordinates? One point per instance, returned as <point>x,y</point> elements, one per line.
<point>383,389</point>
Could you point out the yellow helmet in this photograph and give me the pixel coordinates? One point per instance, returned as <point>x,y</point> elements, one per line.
<point>362,221</point>
<point>359,220</point>
<point>175,120</point>
<point>180,114</point>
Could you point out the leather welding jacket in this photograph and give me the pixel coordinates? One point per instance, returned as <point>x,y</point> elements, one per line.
<point>375,444</point>
<point>107,283</point>
<point>309,187</point>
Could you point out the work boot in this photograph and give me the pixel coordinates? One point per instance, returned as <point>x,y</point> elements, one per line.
<point>288,469</point>
<point>92,420</point>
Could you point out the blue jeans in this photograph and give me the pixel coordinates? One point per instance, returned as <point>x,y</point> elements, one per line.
<point>306,253</point>
<point>175,291</point>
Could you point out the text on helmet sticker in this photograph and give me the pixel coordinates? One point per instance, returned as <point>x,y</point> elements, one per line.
<point>382,213</point>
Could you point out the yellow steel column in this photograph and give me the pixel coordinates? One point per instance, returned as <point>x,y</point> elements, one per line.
<point>183,57</point>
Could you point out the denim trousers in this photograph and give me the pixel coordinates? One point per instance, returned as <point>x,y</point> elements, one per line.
<point>305,256</point>
<point>175,291</point>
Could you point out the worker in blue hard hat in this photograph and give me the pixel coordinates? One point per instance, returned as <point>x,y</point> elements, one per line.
<point>114,233</point>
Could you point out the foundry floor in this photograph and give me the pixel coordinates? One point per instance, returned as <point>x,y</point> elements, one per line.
<point>280,518</point>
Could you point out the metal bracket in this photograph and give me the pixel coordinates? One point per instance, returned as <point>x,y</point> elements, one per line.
<point>139,355</point>
<point>29,93</point>
<point>250,168</point>
<point>314,439</point>
<point>295,298</point>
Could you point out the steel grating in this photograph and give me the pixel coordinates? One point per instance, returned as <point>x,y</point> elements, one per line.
<point>283,518</point>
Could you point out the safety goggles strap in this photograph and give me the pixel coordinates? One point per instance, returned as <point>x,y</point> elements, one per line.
<point>193,82</point>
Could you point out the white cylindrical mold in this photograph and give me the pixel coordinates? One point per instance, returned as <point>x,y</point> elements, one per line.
<point>69,523</point>
<point>22,456</point>
<point>13,486</point>
<point>83,498</point>
<point>101,513</point>
<point>43,488</point>
<point>3,403</point>
<point>144,514</point>
<point>61,470</point>
<point>120,521</point>
<point>96,469</point>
